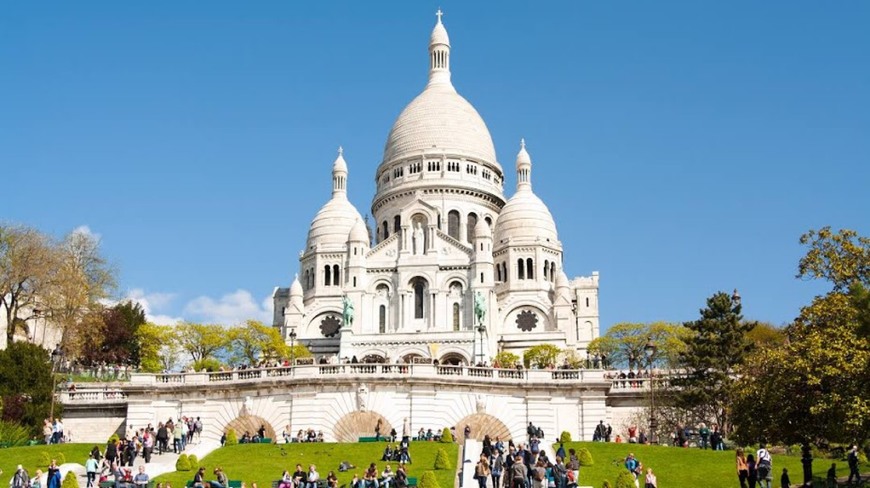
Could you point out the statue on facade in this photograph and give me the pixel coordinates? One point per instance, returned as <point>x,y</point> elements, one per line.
<point>347,311</point>
<point>362,397</point>
<point>247,407</point>
<point>418,238</point>
<point>479,307</point>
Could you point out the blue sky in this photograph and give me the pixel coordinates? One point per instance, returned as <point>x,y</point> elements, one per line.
<point>682,147</point>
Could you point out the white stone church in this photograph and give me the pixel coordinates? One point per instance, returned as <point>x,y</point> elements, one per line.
<point>444,235</point>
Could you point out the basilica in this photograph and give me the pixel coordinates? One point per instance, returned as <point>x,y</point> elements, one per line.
<point>451,269</point>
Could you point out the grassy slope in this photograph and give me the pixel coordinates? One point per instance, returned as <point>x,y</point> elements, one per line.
<point>264,463</point>
<point>684,467</point>
<point>31,457</point>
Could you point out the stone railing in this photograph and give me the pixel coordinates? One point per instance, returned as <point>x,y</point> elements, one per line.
<point>92,396</point>
<point>373,370</point>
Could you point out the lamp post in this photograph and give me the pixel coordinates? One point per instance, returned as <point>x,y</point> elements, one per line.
<point>481,329</point>
<point>56,357</point>
<point>650,350</point>
<point>293,347</point>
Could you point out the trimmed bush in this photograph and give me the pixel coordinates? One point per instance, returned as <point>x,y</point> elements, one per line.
<point>585,457</point>
<point>70,481</point>
<point>183,463</point>
<point>441,459</point>
<point>564,437</point>
<point>625,480</point>
<point>606,484</point>
<point>428,480</point>
<point>194,462</point>
<point>60,458</point>
<point>232,439</point>
<point>114,438</point>
<point>44,459</point>
<point>446,435</point>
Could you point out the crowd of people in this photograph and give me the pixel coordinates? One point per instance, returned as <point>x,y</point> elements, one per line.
<point>303,435</point>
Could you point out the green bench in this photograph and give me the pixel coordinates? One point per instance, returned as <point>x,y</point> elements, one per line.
<point>372,439</point>
<point>111,484</point>
<point>230,484</point>
<point>266,440</point>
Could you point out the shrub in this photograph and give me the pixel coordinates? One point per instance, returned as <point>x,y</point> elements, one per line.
<point>44,459</point>
<point>441,460</point>
<point>625,480</point>
<point>14,434</point>
<point>60,458</point>
<point>428,480</point>
<point>606,484</point>
<point>564,437</point>
<point>183,463</point>
<point>232,439</point>
<point>194,461</point>
<point>585,457</point>
<point>114,438</point>
<point>446,435</point>
<point>70,481</point>
<point>207,364</point>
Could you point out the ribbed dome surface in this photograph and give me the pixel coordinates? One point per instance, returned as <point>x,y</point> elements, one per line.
<point>439,119</point>
<point>525,217</point>
<point>358,233</point>
<point>333,223</point>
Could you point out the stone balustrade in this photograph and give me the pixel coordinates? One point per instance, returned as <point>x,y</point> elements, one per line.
<point>93,395</point>
<point>367,371</point>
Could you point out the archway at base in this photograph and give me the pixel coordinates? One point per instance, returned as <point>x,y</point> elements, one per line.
<point>360,424</point>
<point>250,424</point>
<point>482,424</point>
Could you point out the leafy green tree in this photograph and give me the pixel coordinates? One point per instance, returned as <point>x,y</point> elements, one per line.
<point>28,260</point>
<point>506,359</point>
<point>254,341</point>
<point>541,356</point>
<point>815,388</point>
<point>201,341</point>
<point>159,347</point>
<point>765,335</point>
<point>26,385</point>
<point>623,344</point>
<point>711,358</point>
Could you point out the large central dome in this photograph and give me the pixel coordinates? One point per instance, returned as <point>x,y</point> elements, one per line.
<point>439,120</point>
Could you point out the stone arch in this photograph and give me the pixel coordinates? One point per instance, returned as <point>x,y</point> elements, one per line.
<point>453,358</point>
<point>250,424</point>
<point>482,424</point>
<point>359,424</point>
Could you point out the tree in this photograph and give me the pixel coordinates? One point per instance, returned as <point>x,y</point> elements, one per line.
<point>623,344</point>
<point>765,335</point>
<point>159,347</point>
<point>27,263</point>
<point>113,338</point>
<point>711,358</point>
<point>201,340</point>
<point>541,356</point>
<point>815,388</point>
<point>506,359</point>
<point>26,384</point>
<point>254,342</point>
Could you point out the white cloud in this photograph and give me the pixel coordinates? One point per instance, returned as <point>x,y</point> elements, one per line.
<point>153,303</point>
<point>86,231</point>
<point>230,309</point>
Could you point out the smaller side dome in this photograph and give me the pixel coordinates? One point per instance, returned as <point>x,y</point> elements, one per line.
<point>525,218</point>
<point>481,230</point>
<point>562,281</point>
<point>358,233</point>
<point>296,288</point>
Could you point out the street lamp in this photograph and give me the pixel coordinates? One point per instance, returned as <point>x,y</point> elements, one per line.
<point>56,358</point>
<point>481,329</point>
<point>650,350</point>
<point>735,297</point>
<point>293,347</point>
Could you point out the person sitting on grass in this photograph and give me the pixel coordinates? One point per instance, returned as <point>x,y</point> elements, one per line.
<point>356,482</point>
<point>371,477</point>
<point>199,478</point>
<point>313,477</point>
<point>222,480</point>
<point>331,480</point>
<point>299,477</point>
<point>388,454</point>
<point>286,480</point>
<point>401,478</point>
<point>387,476</point>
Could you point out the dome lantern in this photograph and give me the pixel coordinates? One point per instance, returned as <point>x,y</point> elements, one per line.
<point>339,174</point>
<point>524,168</point>
<point>439,53</point>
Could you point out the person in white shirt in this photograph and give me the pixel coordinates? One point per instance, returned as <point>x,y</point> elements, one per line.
<point>313,477</point>
<point>387,476</point>
<point>765,466</point>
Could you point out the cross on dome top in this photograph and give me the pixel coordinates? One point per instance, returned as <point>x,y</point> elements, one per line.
<point>438,14</point>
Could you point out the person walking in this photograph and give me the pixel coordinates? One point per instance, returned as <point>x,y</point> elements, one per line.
<point>20,479</point>
<point>496,468</point>
<point>482,471</point>
<point>752,471</point>
<point>765,467</point>
<point>742,468</point>
<point>853,465</point>
<point>519,473</point>
<point>91,468</point>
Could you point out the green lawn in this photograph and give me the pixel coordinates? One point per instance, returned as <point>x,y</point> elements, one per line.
<point>676,467</point>
<point>31,457</point>
<point>264,463</point>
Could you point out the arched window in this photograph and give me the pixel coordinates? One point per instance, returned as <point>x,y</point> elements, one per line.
<point>386,230</point>
<point>453,224</point>
<point>488,221</point>
<point>498,272</point>
<point>419,297</point>
<point>336,275</point>
<point>382,318</point>
<point>305,279</point>
<point>469,228</point>
<point>530,269</point>
<point>546,269</point>
<point>397,223</point>
<point>455,317</point>
<point>504,272</point>
<point>552,271</point>
<point>327,273</point>
<point>587,301</point>
<point>521,274</point>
